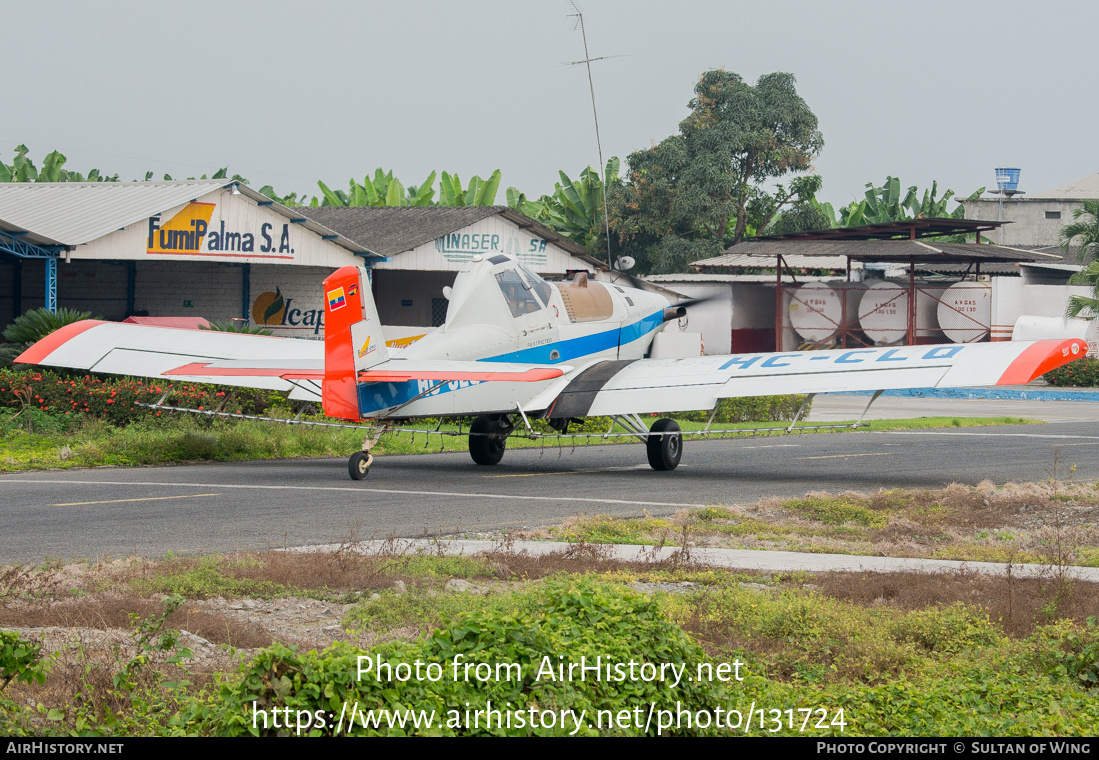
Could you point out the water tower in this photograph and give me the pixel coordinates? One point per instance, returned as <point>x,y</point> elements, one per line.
<point>1007,182</point>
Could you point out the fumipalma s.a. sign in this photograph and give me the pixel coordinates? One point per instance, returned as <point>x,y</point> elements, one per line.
<point>190,233</point>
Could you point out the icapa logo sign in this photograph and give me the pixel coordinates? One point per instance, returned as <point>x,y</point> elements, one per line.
<point>273,309</point>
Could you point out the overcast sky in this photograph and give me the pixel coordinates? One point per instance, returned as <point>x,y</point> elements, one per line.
<point>286,93</point>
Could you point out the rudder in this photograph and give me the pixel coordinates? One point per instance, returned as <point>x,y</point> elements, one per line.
<point>353,339</point>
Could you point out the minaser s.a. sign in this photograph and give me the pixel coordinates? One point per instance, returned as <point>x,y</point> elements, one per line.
<point>190,233</point>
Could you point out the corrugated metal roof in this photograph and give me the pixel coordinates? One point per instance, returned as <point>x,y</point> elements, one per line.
<point>292,212</point>
<point>700,278</point>
<point>832,254</point>
<point>1047,265</point>
<point>793,260</point>
<point>951,268</point>
<point>391,230</point>
<point>74,213</point>
<point>920,227</point>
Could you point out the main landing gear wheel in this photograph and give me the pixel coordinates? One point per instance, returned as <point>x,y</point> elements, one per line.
<point>358,466</point>
<point>664,450</point>
<point>487,439</point>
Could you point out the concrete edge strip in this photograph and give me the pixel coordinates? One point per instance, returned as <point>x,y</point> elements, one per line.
<point>738,559</point>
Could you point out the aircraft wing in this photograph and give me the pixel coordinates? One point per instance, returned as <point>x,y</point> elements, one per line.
<point>252,361</point>
<point>670,385</point>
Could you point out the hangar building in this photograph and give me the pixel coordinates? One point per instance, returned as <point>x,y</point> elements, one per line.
<point>424,247</point>
<point>218,250</point>
<point>196,248</point>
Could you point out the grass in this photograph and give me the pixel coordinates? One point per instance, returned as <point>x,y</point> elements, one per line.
<point>89,442</point>
<point>1047,523</point>
<point>903,654</point>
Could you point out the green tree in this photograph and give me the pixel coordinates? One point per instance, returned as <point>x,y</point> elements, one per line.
<point>575,209</point>
<point>805,215</point>
<point>701,190</point>
<point>1081,238</point>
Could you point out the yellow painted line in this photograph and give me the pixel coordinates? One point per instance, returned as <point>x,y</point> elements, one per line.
<point>845,456</point>
<point>148,498</point>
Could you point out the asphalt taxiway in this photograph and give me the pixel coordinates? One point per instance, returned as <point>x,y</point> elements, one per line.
<point>257,505</point>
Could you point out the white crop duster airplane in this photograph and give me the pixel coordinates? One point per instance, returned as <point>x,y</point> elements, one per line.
<point>515,347</point>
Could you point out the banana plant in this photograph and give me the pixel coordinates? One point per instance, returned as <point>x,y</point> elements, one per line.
<point>479,192</point>
<point>576,207</point>
<point>885,204</point>
<point>383,190</point>
<point>22,169</point>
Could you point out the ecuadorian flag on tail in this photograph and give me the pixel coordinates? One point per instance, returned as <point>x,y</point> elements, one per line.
<point>336,299</point>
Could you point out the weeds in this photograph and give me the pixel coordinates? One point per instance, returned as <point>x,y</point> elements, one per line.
<point>840,638</point>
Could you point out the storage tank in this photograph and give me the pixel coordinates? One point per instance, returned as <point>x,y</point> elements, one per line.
<point>965,312</point>
<point>883,312</point>
<point>816,309</point>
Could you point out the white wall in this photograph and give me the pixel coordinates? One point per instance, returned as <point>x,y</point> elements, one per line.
<point>492,235</point>
<point>1029,225</point>
<point>246,226</point>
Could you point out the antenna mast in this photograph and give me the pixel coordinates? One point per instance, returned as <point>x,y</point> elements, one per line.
<point>595,115</point>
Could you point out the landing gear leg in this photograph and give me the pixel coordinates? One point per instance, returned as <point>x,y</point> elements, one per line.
<point>488,438</point>
<point>664,450</point>
<point>358,464</point>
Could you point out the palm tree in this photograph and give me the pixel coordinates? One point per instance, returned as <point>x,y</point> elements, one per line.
<point>1082,237</point>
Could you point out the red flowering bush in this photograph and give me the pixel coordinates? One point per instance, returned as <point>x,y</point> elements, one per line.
<point>116,399</point>
<point>1082,373</point>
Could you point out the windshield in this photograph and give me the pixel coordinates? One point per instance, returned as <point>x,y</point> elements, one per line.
<point>519,295</point>
<point>541,287</point>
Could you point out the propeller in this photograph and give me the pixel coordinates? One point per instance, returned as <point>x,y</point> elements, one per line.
<point>676,310</point>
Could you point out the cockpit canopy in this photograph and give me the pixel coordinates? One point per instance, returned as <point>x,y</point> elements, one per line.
<point>524,291</point>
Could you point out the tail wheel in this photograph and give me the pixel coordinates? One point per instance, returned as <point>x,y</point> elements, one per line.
<point>487,439</point>
<point>358,466</point>
<point>666,449</point>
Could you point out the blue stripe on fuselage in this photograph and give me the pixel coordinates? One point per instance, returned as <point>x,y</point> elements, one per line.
<point>374,397</point>
<point>637,330</point>
<point>584,346</point>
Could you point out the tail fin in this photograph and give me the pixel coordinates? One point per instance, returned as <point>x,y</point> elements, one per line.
<point>353,340</point>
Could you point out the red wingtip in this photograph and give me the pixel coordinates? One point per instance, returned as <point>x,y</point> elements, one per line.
<point>1043,356</point>
<point>43,348</point>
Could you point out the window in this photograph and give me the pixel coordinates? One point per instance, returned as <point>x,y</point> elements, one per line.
<point>1053,215</point>
<point>438,311</point>
<point>518,294</point>
<point>541,287</point>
